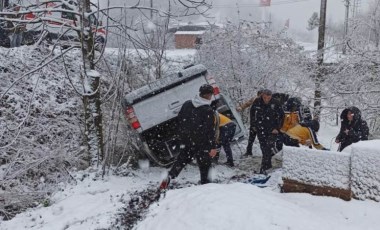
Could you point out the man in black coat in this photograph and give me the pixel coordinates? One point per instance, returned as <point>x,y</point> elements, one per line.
<point>267,117</point>
<point>197,124</point>
<point>353,128</point>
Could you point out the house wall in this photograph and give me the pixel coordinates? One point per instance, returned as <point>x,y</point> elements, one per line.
<point>185,41</point>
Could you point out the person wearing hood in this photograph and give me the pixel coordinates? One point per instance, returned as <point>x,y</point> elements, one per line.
<point>197,134</point>
<point>353,128</point>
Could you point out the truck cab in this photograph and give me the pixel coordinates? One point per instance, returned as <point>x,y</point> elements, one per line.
<point>152,111</point>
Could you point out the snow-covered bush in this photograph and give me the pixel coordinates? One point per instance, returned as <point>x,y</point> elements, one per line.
<point>354,82</point>
<point>39,126</point>
<point>316,167</point>
<point>41,123</point>
<point>244,58</point>
<point>365,172</point>
<point>356,169</point>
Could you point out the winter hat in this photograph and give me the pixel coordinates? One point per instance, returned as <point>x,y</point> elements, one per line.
<point>206,89</point>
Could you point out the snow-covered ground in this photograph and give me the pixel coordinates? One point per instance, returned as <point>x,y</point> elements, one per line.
<point>94,203</point>
<point>244,206</point>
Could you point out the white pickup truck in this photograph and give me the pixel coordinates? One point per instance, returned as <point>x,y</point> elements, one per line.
<point>152,111</point>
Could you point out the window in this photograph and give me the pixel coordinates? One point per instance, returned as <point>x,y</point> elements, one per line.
<point>67,15</point>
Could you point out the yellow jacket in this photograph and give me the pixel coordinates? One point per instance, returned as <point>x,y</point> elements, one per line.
<point>223,120</point>
<point>291,119</point>
<point>304,134</point>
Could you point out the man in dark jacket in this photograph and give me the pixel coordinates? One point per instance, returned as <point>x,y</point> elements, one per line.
<point>267,117</point>
<point>197,123</point>
<point>252,132</point>
<point>353,128</point>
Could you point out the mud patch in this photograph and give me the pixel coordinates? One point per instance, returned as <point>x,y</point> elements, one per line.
<point>137,207</point>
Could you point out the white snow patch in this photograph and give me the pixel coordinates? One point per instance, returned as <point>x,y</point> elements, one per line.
<point>93,73</point>
<point>366,169</point>
<point>245,207</point>
<point>317,167</point>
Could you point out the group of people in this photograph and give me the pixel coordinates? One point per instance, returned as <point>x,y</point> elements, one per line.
<point>276,125</point>
<point>203,130</point>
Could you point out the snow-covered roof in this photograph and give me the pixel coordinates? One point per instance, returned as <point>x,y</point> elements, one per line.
<point>190,32</point>
<point>200,24</point>
<point>163,83</point>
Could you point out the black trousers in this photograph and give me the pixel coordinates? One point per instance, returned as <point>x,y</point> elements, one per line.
<point>227,133</point>
<point>288,141</point>
<point>251,139</point>
<point>267,144</point>
<point>187,153</point>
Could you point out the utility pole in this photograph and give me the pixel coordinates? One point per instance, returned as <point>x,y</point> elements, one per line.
<point>347,5</point>
<point>151,11</point>
<point>320,54</point>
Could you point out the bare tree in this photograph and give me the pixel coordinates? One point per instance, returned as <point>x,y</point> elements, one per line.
<point>90,81</point>
<point>243,58</point>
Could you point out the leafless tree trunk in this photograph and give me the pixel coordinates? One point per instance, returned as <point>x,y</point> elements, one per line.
<point>321,45</point>
<point>91,97</point>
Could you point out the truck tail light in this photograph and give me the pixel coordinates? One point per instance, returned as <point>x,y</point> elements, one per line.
<point>131,117</point>
<point>212,82</point>
<point>30,16</point>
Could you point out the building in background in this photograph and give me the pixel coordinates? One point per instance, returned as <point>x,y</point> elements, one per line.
<point>188,39</point>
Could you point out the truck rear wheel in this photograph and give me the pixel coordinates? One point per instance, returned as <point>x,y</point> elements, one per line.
<point>156,158</point>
